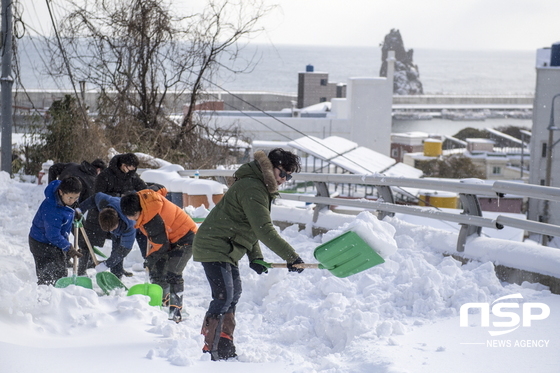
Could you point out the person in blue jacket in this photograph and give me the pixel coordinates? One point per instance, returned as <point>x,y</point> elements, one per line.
<point>121,229</point>
<point>48,236</point>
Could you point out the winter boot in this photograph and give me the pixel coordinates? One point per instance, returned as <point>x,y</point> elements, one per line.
<point>175,306</point>
<point>226,348</point>
<point>210,330</point>
<point>127,274</point>
<point>175,314</point>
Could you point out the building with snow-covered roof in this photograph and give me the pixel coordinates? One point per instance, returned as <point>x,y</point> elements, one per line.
<point>407,142</point>
<point>494,163</point>
<point>364,116</point>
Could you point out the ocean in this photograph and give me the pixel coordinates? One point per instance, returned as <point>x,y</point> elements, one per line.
<point>441,71</point>
<point>276,68</point>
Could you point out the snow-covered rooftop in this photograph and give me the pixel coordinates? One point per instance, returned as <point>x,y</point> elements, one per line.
<point>347,155</point>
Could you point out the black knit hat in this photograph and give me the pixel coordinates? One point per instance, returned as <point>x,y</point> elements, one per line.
<point>99,163</point>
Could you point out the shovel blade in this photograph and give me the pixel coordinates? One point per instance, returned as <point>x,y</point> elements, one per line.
<point>108,281</point>
<point>154,291</point>
<point>99,252</point>
<point>84,282</point>
<point>346,255</point>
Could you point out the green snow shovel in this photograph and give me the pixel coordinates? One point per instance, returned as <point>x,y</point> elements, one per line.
<point>82,281</point>
<point>99,252</point>
<point>343,256</point>
<point>105,280</point>
<point>154,291</point>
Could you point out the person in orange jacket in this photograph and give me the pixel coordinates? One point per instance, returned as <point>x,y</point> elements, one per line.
<point>170,231</point>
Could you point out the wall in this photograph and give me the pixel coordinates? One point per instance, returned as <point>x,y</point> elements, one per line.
<point>370,108</point>
<point>548,85</point>
<point>314,87</point>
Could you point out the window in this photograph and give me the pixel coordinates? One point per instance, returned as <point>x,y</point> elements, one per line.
<point>496,170</point>
<point>322,99</point>
<point>324,82</point>
<point>395,153</point>
<point>543,154</point>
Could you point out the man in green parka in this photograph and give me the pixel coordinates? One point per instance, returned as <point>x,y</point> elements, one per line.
<point>233,229</point>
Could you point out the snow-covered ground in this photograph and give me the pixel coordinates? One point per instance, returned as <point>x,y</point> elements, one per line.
<point>400,316</point>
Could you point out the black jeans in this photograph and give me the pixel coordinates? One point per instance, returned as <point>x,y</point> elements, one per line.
<point>167,272</point>
<point>50,262</point>
<point>225,283</point>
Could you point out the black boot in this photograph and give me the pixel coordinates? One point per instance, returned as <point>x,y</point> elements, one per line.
<point>175,314</point>
<point>226,348</point>
<point>175,306</point>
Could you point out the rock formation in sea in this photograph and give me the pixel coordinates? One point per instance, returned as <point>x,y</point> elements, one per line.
<point>406,79</point>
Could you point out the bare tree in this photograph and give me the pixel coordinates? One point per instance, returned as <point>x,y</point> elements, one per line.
<point>142,57</point>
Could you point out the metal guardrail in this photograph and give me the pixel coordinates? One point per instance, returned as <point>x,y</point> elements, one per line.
<point>471,219</point>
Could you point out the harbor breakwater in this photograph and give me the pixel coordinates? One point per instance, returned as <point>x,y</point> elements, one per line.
<point>272,101</point>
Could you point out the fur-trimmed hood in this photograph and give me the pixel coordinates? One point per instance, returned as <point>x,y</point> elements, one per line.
<point>241,219</point>
<point>260,168</point>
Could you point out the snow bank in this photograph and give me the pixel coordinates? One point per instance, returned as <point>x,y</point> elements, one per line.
<point>376,233</point>
<point>286,322</point>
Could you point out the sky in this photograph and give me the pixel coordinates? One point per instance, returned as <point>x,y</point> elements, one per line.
<point>401,316</point>
<point>433,24</point>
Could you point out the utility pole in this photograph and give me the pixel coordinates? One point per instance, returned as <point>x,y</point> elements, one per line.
<point>6,82</point>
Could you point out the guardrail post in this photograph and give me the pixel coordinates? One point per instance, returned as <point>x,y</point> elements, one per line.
<point>386,194</point>
<point>471,206</point>
<point>322,191</point>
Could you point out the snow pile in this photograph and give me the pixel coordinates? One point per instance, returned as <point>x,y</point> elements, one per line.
<point>376,233</point>
<point>286,322</point>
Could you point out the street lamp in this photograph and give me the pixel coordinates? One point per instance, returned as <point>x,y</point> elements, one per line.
<point>551,128</point>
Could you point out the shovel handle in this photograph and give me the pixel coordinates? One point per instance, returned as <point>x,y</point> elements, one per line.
<point>302,265</point>
<point>75,259</point>
<point>90,248</point>
<point>285,265</point>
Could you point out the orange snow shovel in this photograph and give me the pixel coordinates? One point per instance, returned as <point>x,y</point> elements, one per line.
<point>343,256</point>
<point>82,281</point>
<point>105,280</point>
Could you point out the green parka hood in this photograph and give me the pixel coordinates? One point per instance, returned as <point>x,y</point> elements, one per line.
<point>241,219</point>
<point>261,168</point>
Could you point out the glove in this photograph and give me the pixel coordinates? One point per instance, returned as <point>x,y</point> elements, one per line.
<point>150,261</point>
<point>73,253</point>
<point>291,267</point>
<point>101,267</point>
<point>78,215</point>
<point>259,268</point>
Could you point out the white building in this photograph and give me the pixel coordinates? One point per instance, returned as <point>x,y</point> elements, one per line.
<point>547,98</point>
<point>363,117</point>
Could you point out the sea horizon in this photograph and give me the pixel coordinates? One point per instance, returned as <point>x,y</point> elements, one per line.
<point>449,72</point>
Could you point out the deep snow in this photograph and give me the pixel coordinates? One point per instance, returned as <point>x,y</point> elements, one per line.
<point>401,316</point>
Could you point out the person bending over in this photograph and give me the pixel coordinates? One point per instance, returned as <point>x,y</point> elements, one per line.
<point>112,220</point>
<point>48,236</point>
<point>170,232</point>
<point>232,230</point>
